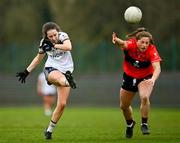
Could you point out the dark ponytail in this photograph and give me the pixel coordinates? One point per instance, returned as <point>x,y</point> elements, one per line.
<point>133,34</point>
<point>139,33</point>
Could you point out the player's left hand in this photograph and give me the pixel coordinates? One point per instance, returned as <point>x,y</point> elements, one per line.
<point>150,81</point>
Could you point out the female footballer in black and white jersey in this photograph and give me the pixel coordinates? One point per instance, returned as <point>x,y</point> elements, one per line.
<point>58,68</point>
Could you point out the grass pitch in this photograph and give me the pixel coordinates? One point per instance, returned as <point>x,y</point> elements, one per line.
<point>86,125</point>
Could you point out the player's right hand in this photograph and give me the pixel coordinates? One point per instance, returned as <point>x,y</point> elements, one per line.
<point>22,75</point>
<point>114,36</point>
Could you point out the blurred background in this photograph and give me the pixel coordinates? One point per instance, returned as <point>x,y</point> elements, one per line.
<point>98,64</point>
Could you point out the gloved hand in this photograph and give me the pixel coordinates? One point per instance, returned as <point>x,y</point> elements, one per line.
<point>47,45</point>
<point>22,75</point>
<point>70,79</point>
<point>48,42</point>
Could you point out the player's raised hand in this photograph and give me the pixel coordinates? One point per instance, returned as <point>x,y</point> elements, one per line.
<point>22,76</point>
<point>48,42</point>
<point>114,36</point>
<point>47,45</point>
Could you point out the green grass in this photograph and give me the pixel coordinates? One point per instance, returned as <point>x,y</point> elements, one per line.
<point>86,125</point>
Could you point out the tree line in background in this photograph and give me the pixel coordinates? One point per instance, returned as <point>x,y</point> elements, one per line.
<point>90,24</point>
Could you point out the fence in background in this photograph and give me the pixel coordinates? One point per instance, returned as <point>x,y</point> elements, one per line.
<point>92,90</point>
<point>104,57</point>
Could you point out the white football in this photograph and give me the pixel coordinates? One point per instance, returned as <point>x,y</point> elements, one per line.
<point>133,14</point>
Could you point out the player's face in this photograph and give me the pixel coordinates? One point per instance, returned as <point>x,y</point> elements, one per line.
<point>143,44</point>
<point>52,35</point>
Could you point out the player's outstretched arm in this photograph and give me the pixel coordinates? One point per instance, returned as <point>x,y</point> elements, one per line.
<point>35,62</point>
<point>116,40</point>
<point>23,75</point>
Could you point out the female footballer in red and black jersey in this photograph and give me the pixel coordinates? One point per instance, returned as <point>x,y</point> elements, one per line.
<point>141,70</point>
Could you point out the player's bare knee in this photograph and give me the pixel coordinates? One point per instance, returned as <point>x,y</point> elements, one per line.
<point>123,107</point>
<point>63,81</point>
<point>63,104</point>
<point>145,100</point>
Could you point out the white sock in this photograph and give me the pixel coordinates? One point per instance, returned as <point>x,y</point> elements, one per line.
<point>52,125</point>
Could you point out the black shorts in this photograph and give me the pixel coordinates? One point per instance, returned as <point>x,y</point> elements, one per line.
<point>131,84</point>
<point>47,70</point>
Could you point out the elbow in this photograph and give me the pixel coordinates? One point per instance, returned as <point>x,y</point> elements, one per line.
<point>158,71</point>
<point>67,46</point>
<point>159,68</point>
<point>70,48</point>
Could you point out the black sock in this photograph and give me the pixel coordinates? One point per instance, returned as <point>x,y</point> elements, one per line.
<point>144,120</point>
<point>129,122</point>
